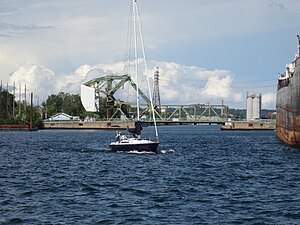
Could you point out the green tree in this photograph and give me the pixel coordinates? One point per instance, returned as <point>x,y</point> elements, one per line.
<point>6,105</point>
<point>64,102</point>
<point>53,104</point>
<point>13,113</point>
<point>72,105</point>
<point>24,117</point>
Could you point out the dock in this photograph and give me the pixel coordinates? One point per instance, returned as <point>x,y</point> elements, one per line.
<point>14,127</point>
<point>249,125</point>
<point>92,125</point>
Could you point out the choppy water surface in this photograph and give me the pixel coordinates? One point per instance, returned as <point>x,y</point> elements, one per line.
<point>202,176</point>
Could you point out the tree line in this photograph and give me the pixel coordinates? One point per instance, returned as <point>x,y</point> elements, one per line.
<point>13,112</point>
<point>63,102</point>
<point>18,112</point>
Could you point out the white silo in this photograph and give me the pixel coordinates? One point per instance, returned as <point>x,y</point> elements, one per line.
<point>257,106</point>
<point>249,106</point>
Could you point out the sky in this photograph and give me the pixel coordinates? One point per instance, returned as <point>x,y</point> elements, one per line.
<point>207,50</point>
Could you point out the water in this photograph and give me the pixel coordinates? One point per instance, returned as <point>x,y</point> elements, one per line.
<point>201,176</point>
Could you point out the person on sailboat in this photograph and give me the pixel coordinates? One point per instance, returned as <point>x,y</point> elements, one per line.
<point>118,136</point>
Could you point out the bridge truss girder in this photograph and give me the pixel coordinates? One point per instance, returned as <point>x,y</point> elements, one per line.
<point>195,113</point>
<point>107,86</point>
<point>110,84</point>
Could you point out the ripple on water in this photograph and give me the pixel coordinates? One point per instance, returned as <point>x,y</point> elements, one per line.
<point>200,176</point>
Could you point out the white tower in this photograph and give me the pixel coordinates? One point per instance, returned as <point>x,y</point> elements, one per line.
<point>249,107</point>
<point>253,106</point>
<point>257,106</point>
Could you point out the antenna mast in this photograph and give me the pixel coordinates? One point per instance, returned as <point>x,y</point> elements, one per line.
<point>298,45</point>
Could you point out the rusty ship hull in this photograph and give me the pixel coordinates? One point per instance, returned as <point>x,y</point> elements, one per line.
<point>288,103</point>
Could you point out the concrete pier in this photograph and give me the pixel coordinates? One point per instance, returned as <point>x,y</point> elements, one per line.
<point>249,125</point>
<point>105,125</point>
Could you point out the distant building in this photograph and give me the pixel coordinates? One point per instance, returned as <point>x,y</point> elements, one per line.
<point>89,119</point>
<point>63,117</point>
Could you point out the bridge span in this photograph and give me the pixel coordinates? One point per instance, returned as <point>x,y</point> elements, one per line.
<point>98,95</point>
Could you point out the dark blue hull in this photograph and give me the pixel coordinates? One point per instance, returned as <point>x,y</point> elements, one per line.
<point>147,147</point>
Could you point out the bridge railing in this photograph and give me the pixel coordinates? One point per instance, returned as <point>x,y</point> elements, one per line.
<point>189,120</point>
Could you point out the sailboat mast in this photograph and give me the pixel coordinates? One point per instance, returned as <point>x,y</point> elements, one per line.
<point>136,58</point>
<point>146,68</point>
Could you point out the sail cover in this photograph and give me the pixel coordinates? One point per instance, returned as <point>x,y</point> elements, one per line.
<point>88,98</point>
<point>137,130</point>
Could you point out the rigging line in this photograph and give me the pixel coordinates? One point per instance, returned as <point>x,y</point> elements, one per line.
<point>258,81</point>
<point>254,83</point>
<point>128,41</point>
<point>261,86</point>
<point>136,58</point>
<point>204,79</point>
<point>146,69</point>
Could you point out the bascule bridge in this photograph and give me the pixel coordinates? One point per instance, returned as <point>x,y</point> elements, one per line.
<point>99,94</point>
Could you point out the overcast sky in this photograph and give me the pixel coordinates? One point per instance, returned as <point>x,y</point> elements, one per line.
<point>208,50</point>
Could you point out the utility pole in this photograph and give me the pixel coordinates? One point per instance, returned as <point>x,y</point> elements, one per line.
<point>222,108</point>
<point>25,99</point>
<point>298,45</point>
<point>19,101</point>
<point>13,99</point>
<point>6,115</point>
<point>31,110</point>
<point>0,98</point>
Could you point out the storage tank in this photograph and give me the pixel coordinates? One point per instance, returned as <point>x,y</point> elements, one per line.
<point>253,106</point>
<point>249,106</point>
<point>257,106</point>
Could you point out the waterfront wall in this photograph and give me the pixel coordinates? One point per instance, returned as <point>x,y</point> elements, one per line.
<point>106,125</point>
<point>249,125</point>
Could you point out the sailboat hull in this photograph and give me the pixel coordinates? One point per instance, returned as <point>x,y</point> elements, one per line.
<point>138,145</point>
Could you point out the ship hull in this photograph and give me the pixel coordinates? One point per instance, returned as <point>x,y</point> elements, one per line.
<point>290,137</point>
<point>288,109</point>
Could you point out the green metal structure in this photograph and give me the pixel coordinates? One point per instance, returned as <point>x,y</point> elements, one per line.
<point>108,85</point>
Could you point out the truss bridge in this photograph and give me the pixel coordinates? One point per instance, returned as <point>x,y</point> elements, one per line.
<point>98,95</point>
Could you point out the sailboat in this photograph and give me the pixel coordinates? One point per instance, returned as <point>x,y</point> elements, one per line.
<point>133,141</point>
